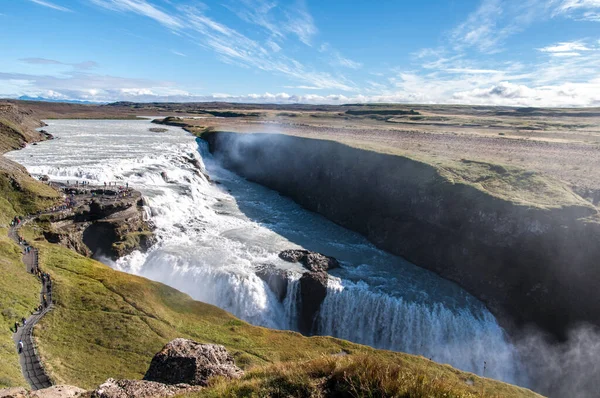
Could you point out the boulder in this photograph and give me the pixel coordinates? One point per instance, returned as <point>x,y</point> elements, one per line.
<point>312,261</point>
<point>186,361</point>
<point>139,389</point>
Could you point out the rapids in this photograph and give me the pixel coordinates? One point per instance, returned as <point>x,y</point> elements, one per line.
<point>212,237</point>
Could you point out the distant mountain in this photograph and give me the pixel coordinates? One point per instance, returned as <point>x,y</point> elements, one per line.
<point>42,99</point>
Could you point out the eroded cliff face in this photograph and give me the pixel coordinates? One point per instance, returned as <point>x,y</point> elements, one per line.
<point>107,224</point>
<point>531,263</point>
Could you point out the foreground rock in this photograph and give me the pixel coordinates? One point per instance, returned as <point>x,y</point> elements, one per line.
<point>51,392</point>
<point>185,361</point>
<point>139,388</point>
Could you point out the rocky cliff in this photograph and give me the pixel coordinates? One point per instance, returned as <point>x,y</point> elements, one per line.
<point>101,222</point>
<point>521,243</point>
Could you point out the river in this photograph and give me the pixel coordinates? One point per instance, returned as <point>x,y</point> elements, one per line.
<point>212,236</point>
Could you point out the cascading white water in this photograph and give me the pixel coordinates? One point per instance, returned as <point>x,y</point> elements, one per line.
<point>212,238</point>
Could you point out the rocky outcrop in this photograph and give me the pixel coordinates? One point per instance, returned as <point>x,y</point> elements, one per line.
<point>313,290</point>
<point>313,283</point>
<point>185,361</point>
<point>531,259</point>
<point>112,388</point>
<point>315,262</point>
<point>103,222</point>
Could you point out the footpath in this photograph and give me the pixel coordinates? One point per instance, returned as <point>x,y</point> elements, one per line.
<point>31,366</point>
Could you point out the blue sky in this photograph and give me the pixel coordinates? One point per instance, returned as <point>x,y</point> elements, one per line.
<point>505,52</point>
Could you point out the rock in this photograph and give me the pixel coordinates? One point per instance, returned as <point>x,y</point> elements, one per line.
<point>112,388</point>
<point>186,361</point>
<point>51,392</point>
<point>312,261</point>
<point>13,392</point>
<point>277,280</point>
<point>58,392</point>
<point>313,289</point>
<point>313,284</point>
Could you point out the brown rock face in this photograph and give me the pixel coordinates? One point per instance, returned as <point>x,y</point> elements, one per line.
<point>315,262</point>
<point>139,389</point>
<point>185,361</point>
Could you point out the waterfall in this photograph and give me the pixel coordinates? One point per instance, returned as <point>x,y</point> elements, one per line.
<point>211,238</point>
<point>354,312</point>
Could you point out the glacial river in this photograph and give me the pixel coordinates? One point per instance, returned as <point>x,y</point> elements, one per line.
<point>213,236</point>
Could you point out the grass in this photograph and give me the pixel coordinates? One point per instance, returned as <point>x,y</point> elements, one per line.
<point>510,183</point>
<point>11,135</point>
<point>18,296</point>
<point>18,289</point>
<point>376,374</point>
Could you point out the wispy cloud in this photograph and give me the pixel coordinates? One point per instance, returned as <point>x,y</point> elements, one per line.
<point>178,53</point>
<point>488,27</point>
<point>45,61</point>
<point>232,46</point>
<point>580,9</point>
<point>337,59</point>
<point>278,20</point>
<point>140,7</point>
<point>566,49</point>
<point>51,5</point>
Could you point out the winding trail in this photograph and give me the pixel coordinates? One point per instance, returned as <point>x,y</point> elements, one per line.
<point>29,359</point>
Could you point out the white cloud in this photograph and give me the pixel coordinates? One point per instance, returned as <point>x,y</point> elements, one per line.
<point>587,10</point>
<point>140,7</point>
<point>565,47</point>
<point>178,53</point>
<point>50,5</point>
<point>487,28</point>
<point>45,61</point>
<point>278,20</point>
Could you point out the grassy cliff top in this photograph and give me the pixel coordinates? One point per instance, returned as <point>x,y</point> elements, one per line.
<point>503,181</point>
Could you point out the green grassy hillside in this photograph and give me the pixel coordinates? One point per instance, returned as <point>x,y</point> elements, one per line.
<point>19,290</point>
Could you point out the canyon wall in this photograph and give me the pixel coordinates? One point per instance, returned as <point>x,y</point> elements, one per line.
<point>530,263</point>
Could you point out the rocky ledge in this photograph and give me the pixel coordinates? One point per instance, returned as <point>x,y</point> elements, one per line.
<point>99,221</point>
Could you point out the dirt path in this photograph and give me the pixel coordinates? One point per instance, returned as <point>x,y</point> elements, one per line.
<point>29,359</point>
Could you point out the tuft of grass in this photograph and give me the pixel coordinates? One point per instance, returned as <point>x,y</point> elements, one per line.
<point>376,374</point>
